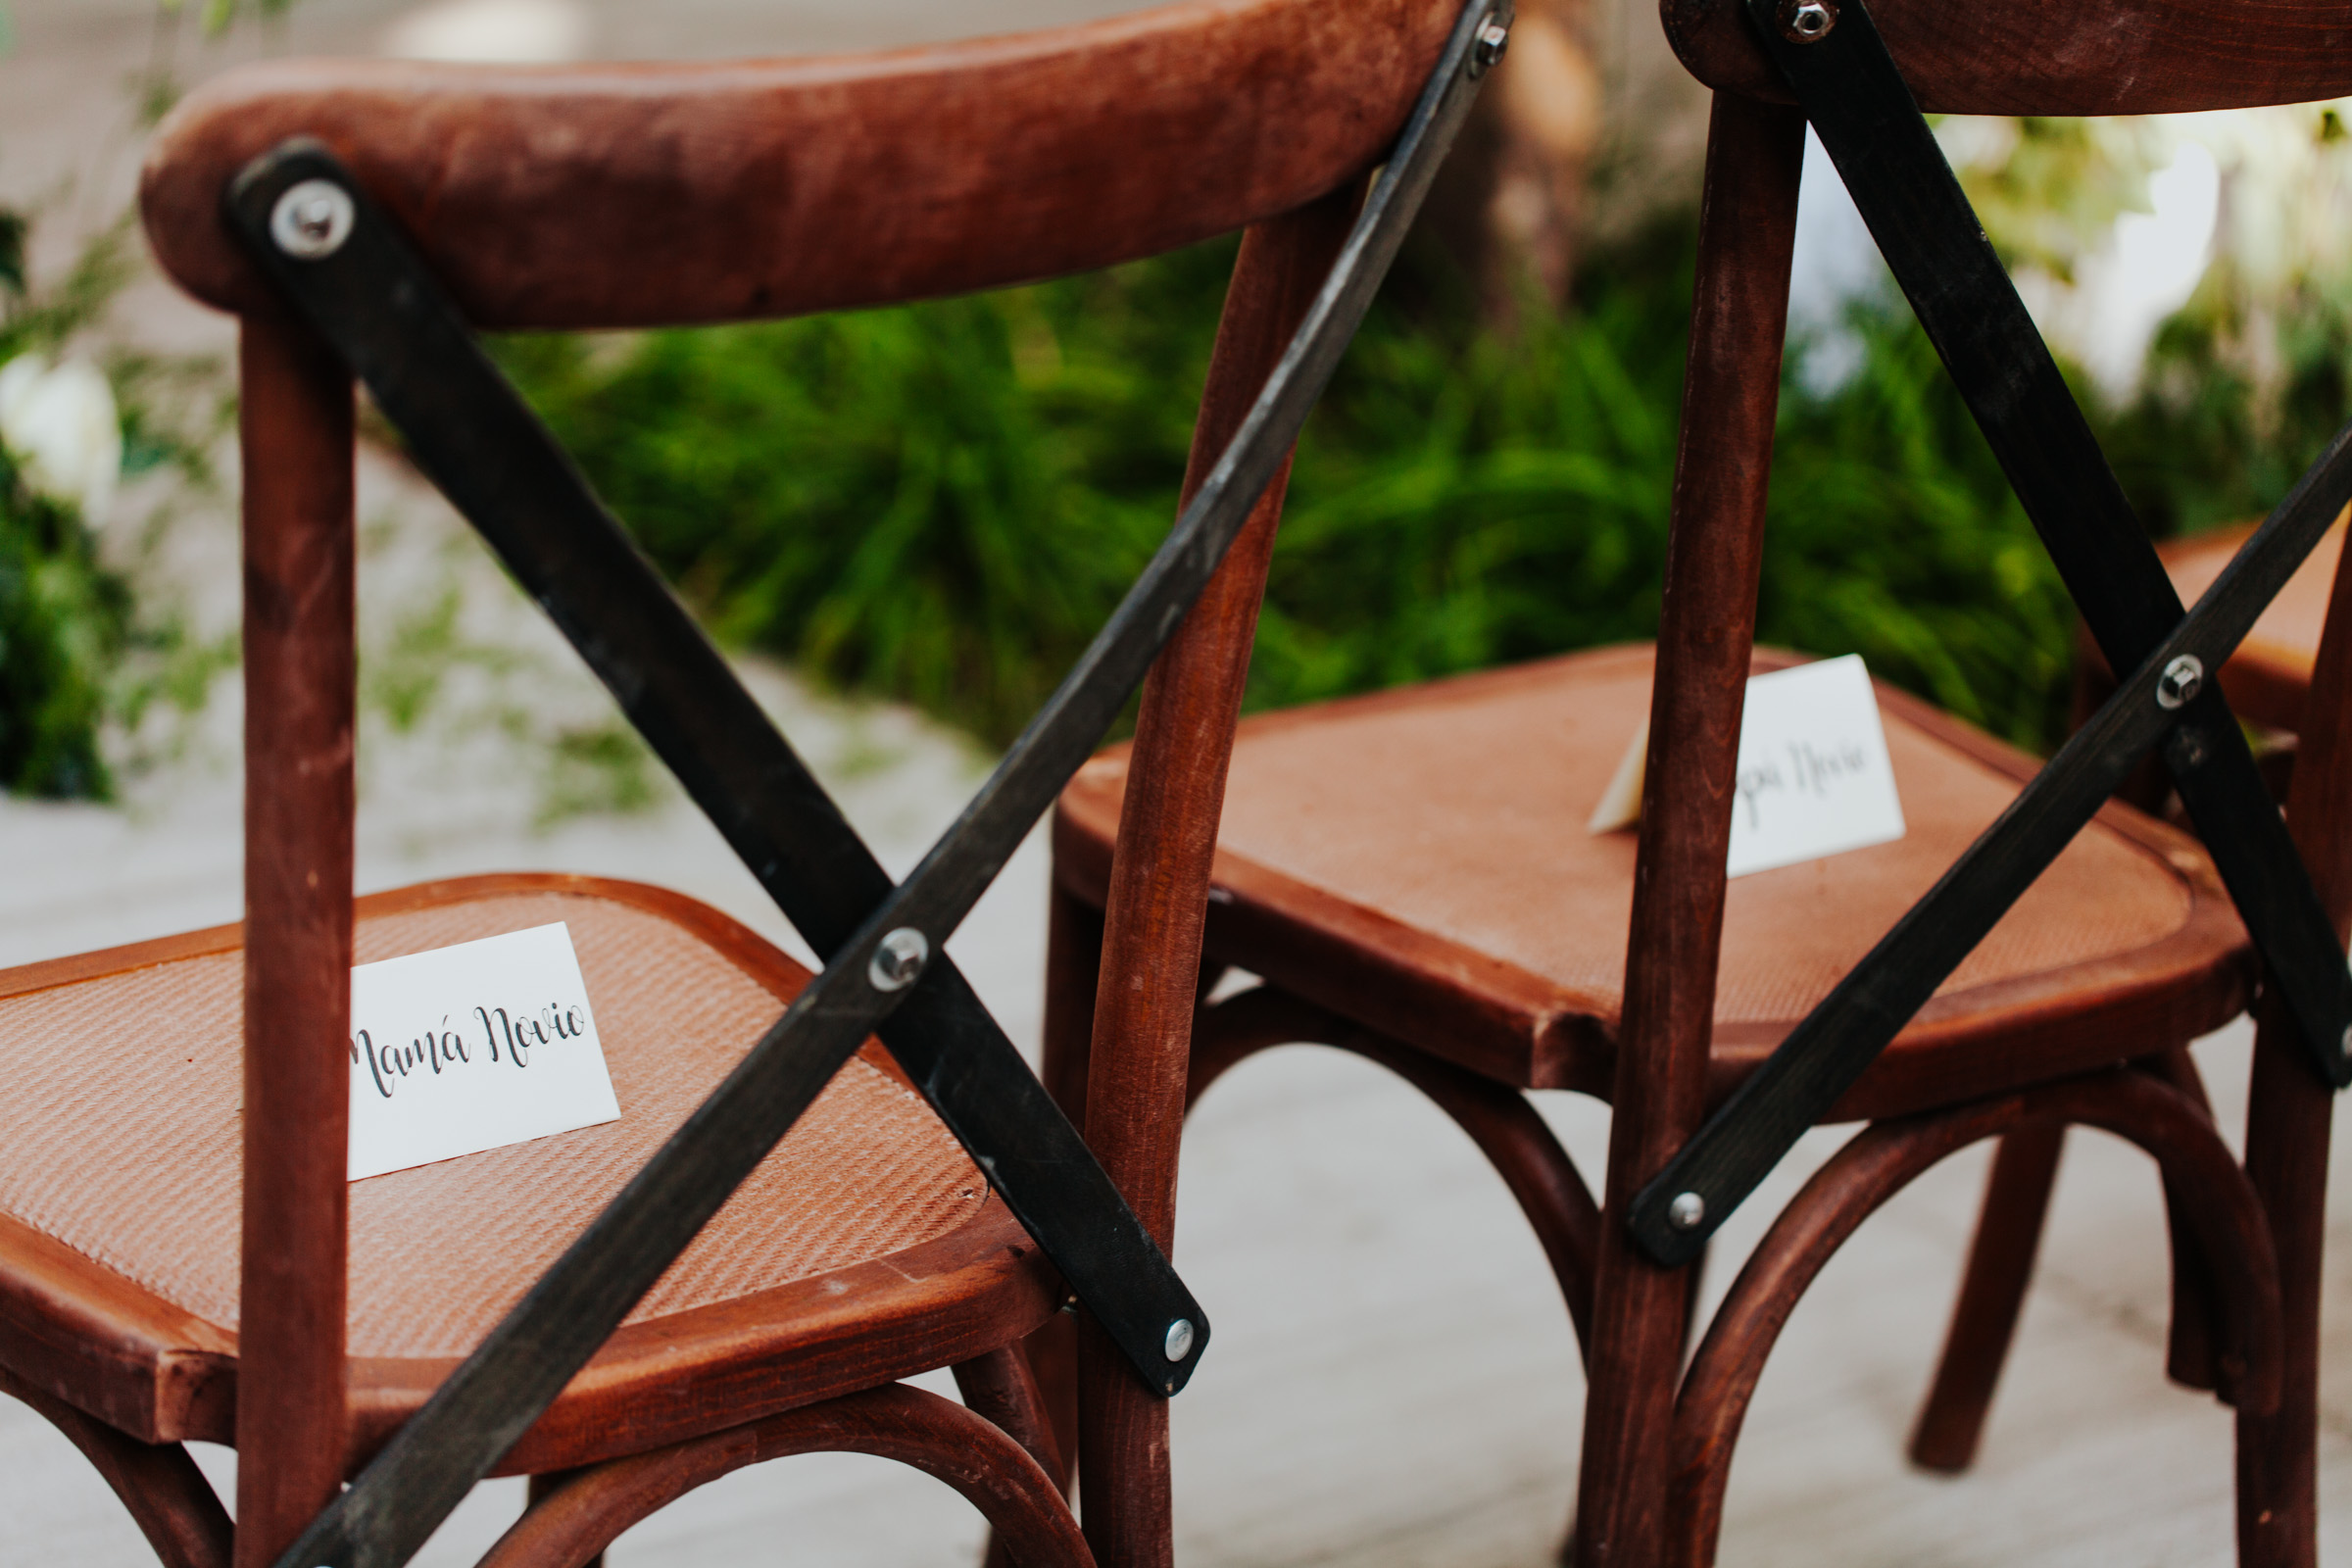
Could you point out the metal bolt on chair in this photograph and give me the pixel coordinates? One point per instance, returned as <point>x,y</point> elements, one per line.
<point>1411,876</point>
<point>819,1182</point>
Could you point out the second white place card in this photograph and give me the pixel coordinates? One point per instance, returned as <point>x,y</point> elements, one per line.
<point>1814,775</point>
<point>472,1046</point>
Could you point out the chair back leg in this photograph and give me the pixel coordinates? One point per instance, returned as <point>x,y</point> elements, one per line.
<point>2289,1119</point>
<point>1159,875</point>
<point>295,416</point>
<point>1706,629</point>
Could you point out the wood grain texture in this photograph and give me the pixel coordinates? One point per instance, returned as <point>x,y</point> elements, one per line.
<point>2113,57</point>
<point>1159,875</point>
<point>295,420</point>
<point>577,1519</point>
<point>2219,1202</point>
<point>643,194</point>
<point>1748,225</point>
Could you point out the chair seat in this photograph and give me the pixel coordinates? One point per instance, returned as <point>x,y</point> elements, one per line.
<point>2270,674</point>
<point>867,1247</point>
<point>1418,860</point>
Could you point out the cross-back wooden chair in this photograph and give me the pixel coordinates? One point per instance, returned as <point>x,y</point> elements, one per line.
<point>1410,875</point>
<point>628,1312</point>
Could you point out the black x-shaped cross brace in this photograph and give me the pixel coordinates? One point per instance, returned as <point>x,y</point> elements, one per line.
<point>346,270</point>
<point>1838,66</point>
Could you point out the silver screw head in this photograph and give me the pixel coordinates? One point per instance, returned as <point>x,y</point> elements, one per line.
<point>2178,683</point>
<point>899,959</point>
<point>311,219</point>
<point>1807,21</point>
<point>1493,37</point>
<point>1686,1211</point>
<point>1179,1344</point>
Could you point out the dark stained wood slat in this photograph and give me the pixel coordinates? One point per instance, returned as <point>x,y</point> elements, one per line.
<point>2067,57</point>
<point>640,194</point>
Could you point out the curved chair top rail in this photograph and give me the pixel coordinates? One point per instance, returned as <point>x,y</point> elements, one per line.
<point>637,195</point>
<point>2062,57</point>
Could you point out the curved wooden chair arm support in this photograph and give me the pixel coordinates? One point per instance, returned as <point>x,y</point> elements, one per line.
<point>175,1507</point>
<point>2070,57</point>
<point>1507,1130</point>
<point>578,1518</point>
<point>2217,1198</point>
<point>635,195</point>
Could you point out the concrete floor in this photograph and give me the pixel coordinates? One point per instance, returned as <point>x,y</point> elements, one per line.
<point>1393,1382</point>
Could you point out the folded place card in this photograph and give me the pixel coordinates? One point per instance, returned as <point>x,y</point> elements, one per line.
<point>470,1048</point>
<point>1814,778</point>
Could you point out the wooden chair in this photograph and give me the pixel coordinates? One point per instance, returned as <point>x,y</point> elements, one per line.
<point>1411,876</point>
<point>180,1255</point>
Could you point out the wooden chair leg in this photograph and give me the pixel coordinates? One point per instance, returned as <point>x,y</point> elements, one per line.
<point>1073,969</point>
<point>2000,1265</point>
<point>2289,1123</point>
<point>1000,1387</point>
<point>1160,875</point>
<point>540,1488</point>
<point>2190,1345</point>
<point>1738,321</point>
<point>168,1498</point>
<point>295,424</point>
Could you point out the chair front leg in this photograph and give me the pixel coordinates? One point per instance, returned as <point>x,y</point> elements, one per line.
<point>2000,1265</point>
<point>1992,1291</point>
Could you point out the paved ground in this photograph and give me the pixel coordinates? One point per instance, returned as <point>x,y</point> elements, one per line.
<point>1393,1383</point>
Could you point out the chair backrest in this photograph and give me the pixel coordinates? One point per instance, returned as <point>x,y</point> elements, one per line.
<point>636,195</point>
<point>611,196</point>
<point>2064,58</point>
<point>2061,56</point>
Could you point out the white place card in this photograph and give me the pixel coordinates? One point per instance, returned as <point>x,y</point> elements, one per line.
<point>1814,775</point>
<point>470,1048</point>
<point>1814,778</point>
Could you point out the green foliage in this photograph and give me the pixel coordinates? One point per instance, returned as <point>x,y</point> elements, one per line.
<point>66,620</point>
<point>942,502</point>
<point>939,501</point>
<point>1893,533</point>
<point>63,622</point>
<point>2048,191</point>
<point>2231,410</point>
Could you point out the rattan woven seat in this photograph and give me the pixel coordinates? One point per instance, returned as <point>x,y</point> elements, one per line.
<point>119,1139</point>
<point>1420,859</point>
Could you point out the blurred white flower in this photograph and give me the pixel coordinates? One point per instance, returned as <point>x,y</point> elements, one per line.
<point>512,32</point>
<point>59,422</point>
